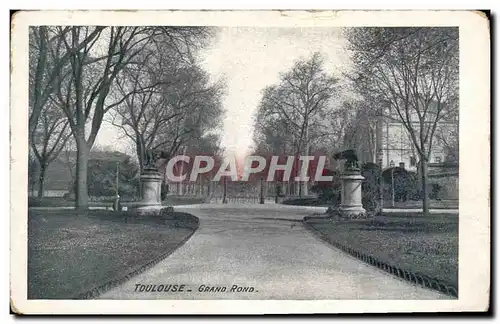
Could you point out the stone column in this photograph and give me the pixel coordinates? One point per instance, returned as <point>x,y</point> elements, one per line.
<point>351,205</point>
<point>151,188</point>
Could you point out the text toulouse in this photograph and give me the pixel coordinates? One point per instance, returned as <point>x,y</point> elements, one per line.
<point>182,288</point>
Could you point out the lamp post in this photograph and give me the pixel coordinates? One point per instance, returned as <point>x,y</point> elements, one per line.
<point>117,206</point>
<point>392,181</point>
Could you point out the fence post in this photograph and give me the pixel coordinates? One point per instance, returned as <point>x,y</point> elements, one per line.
<point>224,200</point>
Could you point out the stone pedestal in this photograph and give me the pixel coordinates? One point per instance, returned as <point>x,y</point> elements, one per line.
<point>150,188</point>
<point>351,205</point>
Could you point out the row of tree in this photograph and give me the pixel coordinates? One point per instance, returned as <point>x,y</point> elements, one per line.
<point>407,75</point>
<point>145,80</point>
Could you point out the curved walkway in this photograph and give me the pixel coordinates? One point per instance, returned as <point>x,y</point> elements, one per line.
<point>264,248</point>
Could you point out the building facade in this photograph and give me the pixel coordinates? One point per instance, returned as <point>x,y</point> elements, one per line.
<point>443,167</point>
<point>398,148</point>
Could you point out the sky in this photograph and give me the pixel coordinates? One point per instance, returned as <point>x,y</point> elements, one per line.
<point>250,59</point>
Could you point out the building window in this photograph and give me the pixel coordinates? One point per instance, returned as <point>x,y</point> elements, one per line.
<point>437,159</point>
<point>413,161</point>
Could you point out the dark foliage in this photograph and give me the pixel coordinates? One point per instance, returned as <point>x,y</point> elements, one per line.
<point>101,178</point>
<point>164,190</point>
<point>371,186</point>
<point>328,191</point>
<point>406,184</point>
<point>303,202</point>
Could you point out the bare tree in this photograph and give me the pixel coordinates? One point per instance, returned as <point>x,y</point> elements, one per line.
<point>48,129</point>
<point>359,127</point>
<point>32,172</point>
<point>301,97</point>
<point>415,70</point>
<point>46,64</point>
<point>183,104</point>
<point>50,136</point>
<point>449,139</point>
<point>83,89</point>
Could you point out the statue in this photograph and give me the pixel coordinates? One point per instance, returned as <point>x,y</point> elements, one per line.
<point>151,180</point>
<point>351,158</point>
<point>152,156</point>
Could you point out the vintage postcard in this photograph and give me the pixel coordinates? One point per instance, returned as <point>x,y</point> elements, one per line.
<point>250,162</point>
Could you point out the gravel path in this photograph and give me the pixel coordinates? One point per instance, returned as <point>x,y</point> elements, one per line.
<point>262,252</point>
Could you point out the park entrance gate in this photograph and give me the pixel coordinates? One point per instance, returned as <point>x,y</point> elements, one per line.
<point>242,192</point>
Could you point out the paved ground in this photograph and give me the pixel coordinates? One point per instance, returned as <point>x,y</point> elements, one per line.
<point>266,249</point>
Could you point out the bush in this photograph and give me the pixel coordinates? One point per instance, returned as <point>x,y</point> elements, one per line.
<point>48,202</point>
<point>101,178</point>
<point>371,186</point>
<point>328,191</point>
<point>406,185</point>
<point>302,202</point>
<point>164,190</point>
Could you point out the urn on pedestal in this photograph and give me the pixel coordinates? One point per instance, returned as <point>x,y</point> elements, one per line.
<point>151,187</point>
<point>351,205</point>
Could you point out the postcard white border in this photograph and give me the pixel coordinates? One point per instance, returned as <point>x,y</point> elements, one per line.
<point>474,227</point>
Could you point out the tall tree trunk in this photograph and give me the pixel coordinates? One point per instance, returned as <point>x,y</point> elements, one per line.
<point>305,152</point>
<point>380,156</point>
<point>140,149</point>
<point>296,184</point>
<point>182,185</point>
<point>424,173</point>
<point>82,160</point>
<point>41,180</point>
<point>305,184</point>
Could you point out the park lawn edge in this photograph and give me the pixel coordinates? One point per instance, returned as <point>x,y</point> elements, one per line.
<point>393,270</point>
<point>101,289</point>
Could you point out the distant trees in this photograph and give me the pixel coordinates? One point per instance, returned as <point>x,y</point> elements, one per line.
<point>79,70</point>
<point>414,71</point>
<point>48,139</point>
<point>178,102</point>
<point>290,112</point>
<point>354,127</point>
<point>48,128</point>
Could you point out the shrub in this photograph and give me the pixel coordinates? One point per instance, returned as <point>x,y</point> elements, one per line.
<point>302,202</point>
<point>371,186</point>
<point>101,178</point>
<point>406,184</point>
<point>328,191</point>
<point>164,190</point>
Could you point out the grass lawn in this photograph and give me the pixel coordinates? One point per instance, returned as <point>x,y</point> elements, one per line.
<point>423,245</point>
<point>434,204</point>
<point>182,200</point>
<point>417,204</point>
<point>305,201</point>
<point>61,202</point>
<point>71,253</point>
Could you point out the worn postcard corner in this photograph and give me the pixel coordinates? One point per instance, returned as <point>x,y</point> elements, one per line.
<point>250,162</point>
